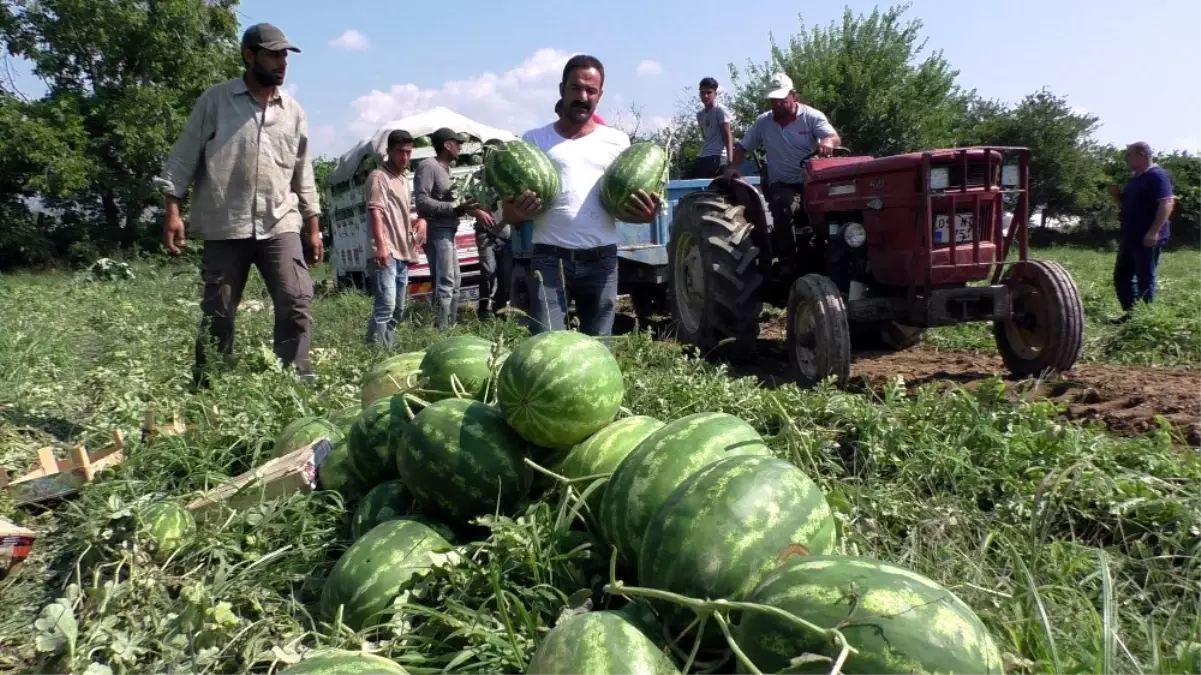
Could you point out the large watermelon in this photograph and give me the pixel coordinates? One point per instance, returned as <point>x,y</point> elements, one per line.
<point>461,459</point>
<point>466,357</point>
<point>900,621</point>
<point>386,501</point>
<point>560,387</point>
<point>344,662</point>
<point>657,466</point>
<point>601,453</point>
<point>345,418</point>
<point>336,473</point>
<point>517,166</point>
<point>728,525</point>
<point>168,525</point>
<point>390,376</point>
<point>642,166</point>
<point>371,457</point>
<point>370,573</point>
<point>303,431</point>
<point>598,642</point>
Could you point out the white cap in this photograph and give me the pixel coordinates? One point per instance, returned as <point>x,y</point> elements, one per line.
<point>781,86</point>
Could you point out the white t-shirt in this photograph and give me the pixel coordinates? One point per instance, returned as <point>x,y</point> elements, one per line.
<point>578,219</point>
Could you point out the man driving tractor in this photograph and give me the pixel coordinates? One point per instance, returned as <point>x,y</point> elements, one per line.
<point>789,133</point>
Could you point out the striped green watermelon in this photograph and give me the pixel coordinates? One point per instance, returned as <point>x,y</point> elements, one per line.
<point>336,473</point>
<point>728,525</point>
<point>601,642</point>
<point>422,142</point>
<point>642,166</point>
<point>601,452</point>
<point>168,525</point>
<point>390,376</point>
<point>460,458</point>
<point>303,431</point>
<point>517,166</point>
<point>370,573</point>
<point>386,501</point>
<point>657,466</point>
<point>467,357</point>
<point>344,662</point>
<point>900,621</point>
<point>560,387</point>
<point>345,418</point>
<point>371,456</point>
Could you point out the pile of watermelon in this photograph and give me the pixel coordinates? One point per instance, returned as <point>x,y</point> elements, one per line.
<point>696,506</point>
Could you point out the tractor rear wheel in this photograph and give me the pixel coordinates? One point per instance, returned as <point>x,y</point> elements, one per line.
<point>714,280</point>
<point>1045,332</point>
<point>817,333</point>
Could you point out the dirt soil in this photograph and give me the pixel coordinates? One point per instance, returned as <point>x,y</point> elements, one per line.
<point>1125,398</point>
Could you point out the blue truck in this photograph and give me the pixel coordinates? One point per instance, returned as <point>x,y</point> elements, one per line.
<point>642,251</point>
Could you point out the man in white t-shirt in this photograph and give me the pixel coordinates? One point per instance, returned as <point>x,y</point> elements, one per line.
<point>575,240</point>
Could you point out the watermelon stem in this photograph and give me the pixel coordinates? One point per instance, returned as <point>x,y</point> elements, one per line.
<point>716,607</point>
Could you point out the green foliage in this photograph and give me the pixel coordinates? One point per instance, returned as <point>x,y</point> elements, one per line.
<point>865,74</point>
<point>1077,550</point>
<point>122,76</point>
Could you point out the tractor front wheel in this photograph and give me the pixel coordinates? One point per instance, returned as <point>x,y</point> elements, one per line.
<point>714,280</point>
<point>1045,332</point>
<point>817,333</point>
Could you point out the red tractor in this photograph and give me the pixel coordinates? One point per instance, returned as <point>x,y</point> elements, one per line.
<point>880,250</point>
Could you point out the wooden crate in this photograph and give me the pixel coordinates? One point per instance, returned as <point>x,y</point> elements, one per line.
<point>55,478</point>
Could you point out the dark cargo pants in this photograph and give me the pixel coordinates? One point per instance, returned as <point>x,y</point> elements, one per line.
<point>496,263</point>
<point>225,269</point>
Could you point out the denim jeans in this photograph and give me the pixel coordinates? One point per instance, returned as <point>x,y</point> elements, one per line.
<point>391,289</point>
<point>1134,273</point>
<point>591,280</point>
<point>444,272</point>
<point>496,263</point>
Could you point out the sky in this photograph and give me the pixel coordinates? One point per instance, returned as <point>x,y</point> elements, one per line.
<point>366,62</point>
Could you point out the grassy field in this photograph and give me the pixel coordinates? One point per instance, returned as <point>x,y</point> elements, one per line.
<point>1165,334</point>
<point>1081,552</point>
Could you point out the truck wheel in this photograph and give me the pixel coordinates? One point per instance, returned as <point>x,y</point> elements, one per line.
<point>714,280</point>
<point>817,333</point>
<point>1045,333</point>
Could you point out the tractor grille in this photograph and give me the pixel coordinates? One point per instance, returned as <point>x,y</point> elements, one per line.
<point>976,171</point>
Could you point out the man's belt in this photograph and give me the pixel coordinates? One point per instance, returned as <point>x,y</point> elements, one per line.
<point>576,254</point>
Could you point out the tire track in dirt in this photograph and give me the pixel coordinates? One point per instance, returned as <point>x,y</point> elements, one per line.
<point>1125,398</point>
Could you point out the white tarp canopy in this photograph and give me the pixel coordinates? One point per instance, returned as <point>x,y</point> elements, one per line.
<point>417,125</point>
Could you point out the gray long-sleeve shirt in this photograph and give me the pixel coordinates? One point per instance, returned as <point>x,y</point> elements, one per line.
<point>432,194</point>
<point>250,165</point>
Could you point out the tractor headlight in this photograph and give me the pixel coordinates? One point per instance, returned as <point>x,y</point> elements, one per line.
<point>940,178</point>
<point>854,234</point>
<point>1009,175</point>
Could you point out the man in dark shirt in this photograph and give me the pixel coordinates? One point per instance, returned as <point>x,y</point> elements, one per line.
<point>436,204</point>
<point>1146,202</point>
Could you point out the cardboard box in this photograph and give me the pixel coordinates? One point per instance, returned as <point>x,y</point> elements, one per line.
<point>15,545</point>
<point>295,471</point>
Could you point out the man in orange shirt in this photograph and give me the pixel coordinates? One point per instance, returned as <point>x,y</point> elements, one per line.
<point>394,237</point>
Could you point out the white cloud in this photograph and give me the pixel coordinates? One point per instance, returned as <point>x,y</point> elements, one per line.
<point>351,41</point>
<point>517,99</point>
<point>646,67</point>
<point>321,135</point>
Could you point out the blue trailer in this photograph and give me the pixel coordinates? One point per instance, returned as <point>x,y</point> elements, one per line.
<point>642,251</point>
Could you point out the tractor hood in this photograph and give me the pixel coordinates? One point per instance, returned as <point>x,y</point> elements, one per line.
<point>823,168</point>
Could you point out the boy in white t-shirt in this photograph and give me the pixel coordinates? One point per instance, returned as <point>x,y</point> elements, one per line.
<point>575,240</point>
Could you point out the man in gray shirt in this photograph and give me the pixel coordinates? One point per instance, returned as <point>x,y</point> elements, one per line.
<point>788,133</point>
<point>432,190</point>
<point>717,140</point>
<point>246,148</point>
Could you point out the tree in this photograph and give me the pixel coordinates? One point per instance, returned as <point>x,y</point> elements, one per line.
<point>1066,176</point>
<point>866,76</point>
<point>126,72</point>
